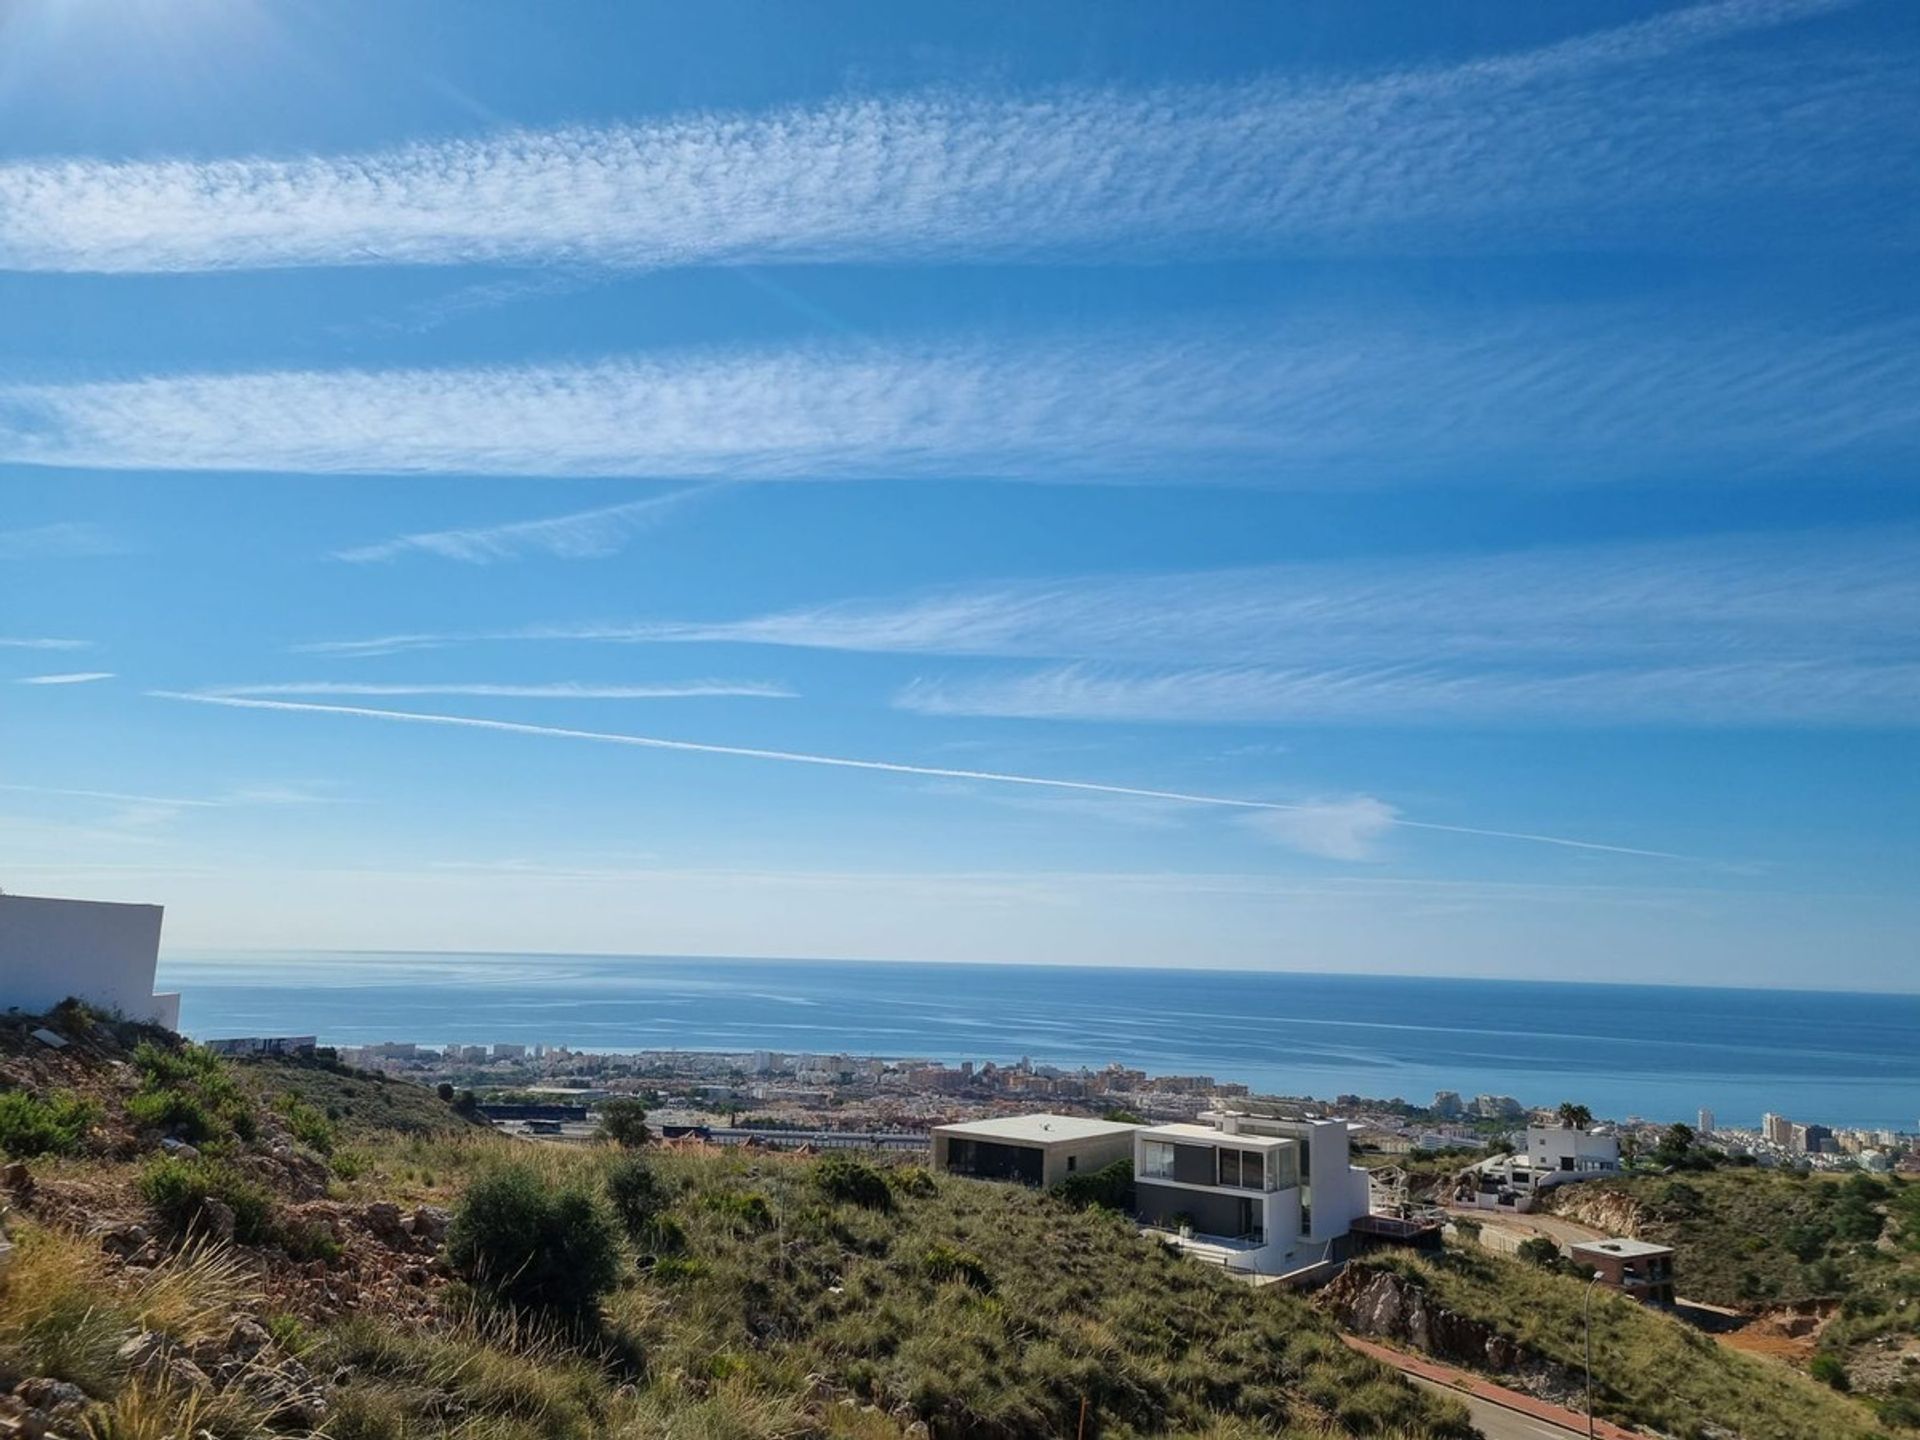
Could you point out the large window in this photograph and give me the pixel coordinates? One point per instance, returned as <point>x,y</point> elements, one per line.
<point>1156,1160</point>
<point>1244,1168</point>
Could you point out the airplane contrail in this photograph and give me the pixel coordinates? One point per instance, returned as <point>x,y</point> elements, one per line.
<point>892,767</point>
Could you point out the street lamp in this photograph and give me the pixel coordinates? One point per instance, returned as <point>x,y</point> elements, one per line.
<point>1627,1277</point>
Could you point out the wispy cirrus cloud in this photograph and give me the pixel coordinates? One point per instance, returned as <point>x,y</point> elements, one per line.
<point>581,535</point>
<point>65,540</point>
<point>1734,629</point>
<point>1302,401</point>
<point>69,677</point>
<point>562,690</point>
<point>1603,139</point>
<point>891,767</point>
<point>1770,692</point>
<point>39,642</point>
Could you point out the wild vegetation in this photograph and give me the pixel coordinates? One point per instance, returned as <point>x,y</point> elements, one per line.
<point>1846,1248</point>
<point>1649,1369</point>
<point>432,1278</point>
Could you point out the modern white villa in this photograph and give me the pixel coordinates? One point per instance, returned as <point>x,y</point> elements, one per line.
<point>1554,1155</point>
<point>1250,1190</point>
<point>103,953</point>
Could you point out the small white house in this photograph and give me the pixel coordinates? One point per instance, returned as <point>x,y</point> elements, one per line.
<point>105,954</point>
<point>1033,1149</point>
<point>1554,1155</point>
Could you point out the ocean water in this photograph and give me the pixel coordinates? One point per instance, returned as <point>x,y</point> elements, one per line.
<point>1658,1052</point>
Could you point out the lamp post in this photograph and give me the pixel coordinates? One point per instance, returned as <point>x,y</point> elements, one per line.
<point>1627,1277</point>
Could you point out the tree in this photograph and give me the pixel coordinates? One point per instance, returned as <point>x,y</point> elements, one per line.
<point>639,1196</point>
<point>1575,1117</point>
<point>1540,1251</point>
<point>445,1091</point>
<point>625,1123</point>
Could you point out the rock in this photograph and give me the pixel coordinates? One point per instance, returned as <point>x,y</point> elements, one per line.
<point>180,1149</point>
<point>146,1351</point>
<point>217,1218</point>
<point>183,1374</point>
<point>247,1338</point>
<point>382,1219</point>
<point>43,1392</point>
<point>123,1240</point>
<point>430,1223</point>
<point>18,1180</point>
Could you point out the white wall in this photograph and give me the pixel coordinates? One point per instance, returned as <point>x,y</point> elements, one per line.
<point>101,953</point>
<point>1548,1145</point>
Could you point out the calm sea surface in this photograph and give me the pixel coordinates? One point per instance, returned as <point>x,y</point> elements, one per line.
<point>1662,1053</point>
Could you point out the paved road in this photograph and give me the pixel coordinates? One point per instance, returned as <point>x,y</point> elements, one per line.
<point>1496,1422</point>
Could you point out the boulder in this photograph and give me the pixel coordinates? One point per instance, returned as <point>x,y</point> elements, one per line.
<point>382,1219</point>
<point>247,1338</point>
<point>430,1224</point>
<point>216,1216</point>
<point>145,1352</point>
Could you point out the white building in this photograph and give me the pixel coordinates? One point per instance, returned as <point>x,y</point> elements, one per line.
<point>105,954</point>
<point>1252,1191</point>
<point>1705,1127</point>
<point>1554,1155</point>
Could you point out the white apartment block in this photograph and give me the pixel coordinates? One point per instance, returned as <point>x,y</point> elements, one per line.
<point>1553,1155</point>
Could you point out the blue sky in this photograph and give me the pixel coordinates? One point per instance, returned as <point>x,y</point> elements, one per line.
<point>1417,488</point>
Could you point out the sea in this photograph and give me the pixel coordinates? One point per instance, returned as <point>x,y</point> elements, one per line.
<point>1659,1052</point>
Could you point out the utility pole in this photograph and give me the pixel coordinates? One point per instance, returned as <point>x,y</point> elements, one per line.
<point>1597,1277</point>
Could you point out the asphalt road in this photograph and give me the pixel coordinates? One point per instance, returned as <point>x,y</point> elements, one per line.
<point>1496,1422</point>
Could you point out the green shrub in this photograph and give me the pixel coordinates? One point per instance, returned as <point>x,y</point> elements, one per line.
<point>54,1126</point>
<point>1827,1369</point>
<point>853,1181</point>
<point>912,1181</point>
<point>944,1263</point>
<point>1110,1188</point>
<point>177,1191</point>
<point>176,1111</point>
<point>638,1195</point>
<point>309,1126</point>
<point>744,1210</point>
<point>535,1246</point>
<point>1540,1251</point>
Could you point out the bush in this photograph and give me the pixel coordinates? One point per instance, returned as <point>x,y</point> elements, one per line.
<point>639,1197</point>
<point>1828,1370</point>
<point>175,1111</point>
<point>177,1191</point>
<point>1110,1188</point>
<point>853,1181</point>
<point>944,1263</point>
<point>191,1092</point>
<point>309,1126</point>
<point>1540,1251</point>
<point>746,1210</point>
<point>625,1123</point>
<point>913,1182</point>
<point>43,1127</point>
<point>534,1246</point>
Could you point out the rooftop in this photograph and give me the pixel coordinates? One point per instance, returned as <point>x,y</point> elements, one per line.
<point>1042,1129</point>
<point>1629,1249</point>
<point>1209,1135</point>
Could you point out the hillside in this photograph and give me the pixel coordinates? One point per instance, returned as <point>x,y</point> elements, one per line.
<point>1525,1326</point>
<point>1844,1250</point>
<point>265,1249</point>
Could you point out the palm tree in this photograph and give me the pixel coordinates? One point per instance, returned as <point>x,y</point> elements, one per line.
<point>1575,1117</point>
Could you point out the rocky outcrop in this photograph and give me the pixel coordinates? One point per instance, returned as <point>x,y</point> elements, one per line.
<point>1388,1306</point>
<point>1613,1212</point>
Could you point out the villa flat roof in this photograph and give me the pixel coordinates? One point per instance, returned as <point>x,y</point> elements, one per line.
<point>1629,1249</point>
<point>1037,1129</point>
<point>1211,1136</point>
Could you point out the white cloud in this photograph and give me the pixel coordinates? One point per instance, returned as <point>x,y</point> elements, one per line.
<point>1605,139</point>
<point>21,642</point>
<point>67,540</point>
<point>1307,402</point>
<point>561,690</point>
<point>1348,829</point>
<point>1742,629</point>
<point>582,535</point>
<point>72,677</point>
<point>1769,692</point>
<point>889,767</point>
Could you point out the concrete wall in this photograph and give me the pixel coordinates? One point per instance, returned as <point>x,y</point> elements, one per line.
<point>102,953</point>
<point>1095,1153</point>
